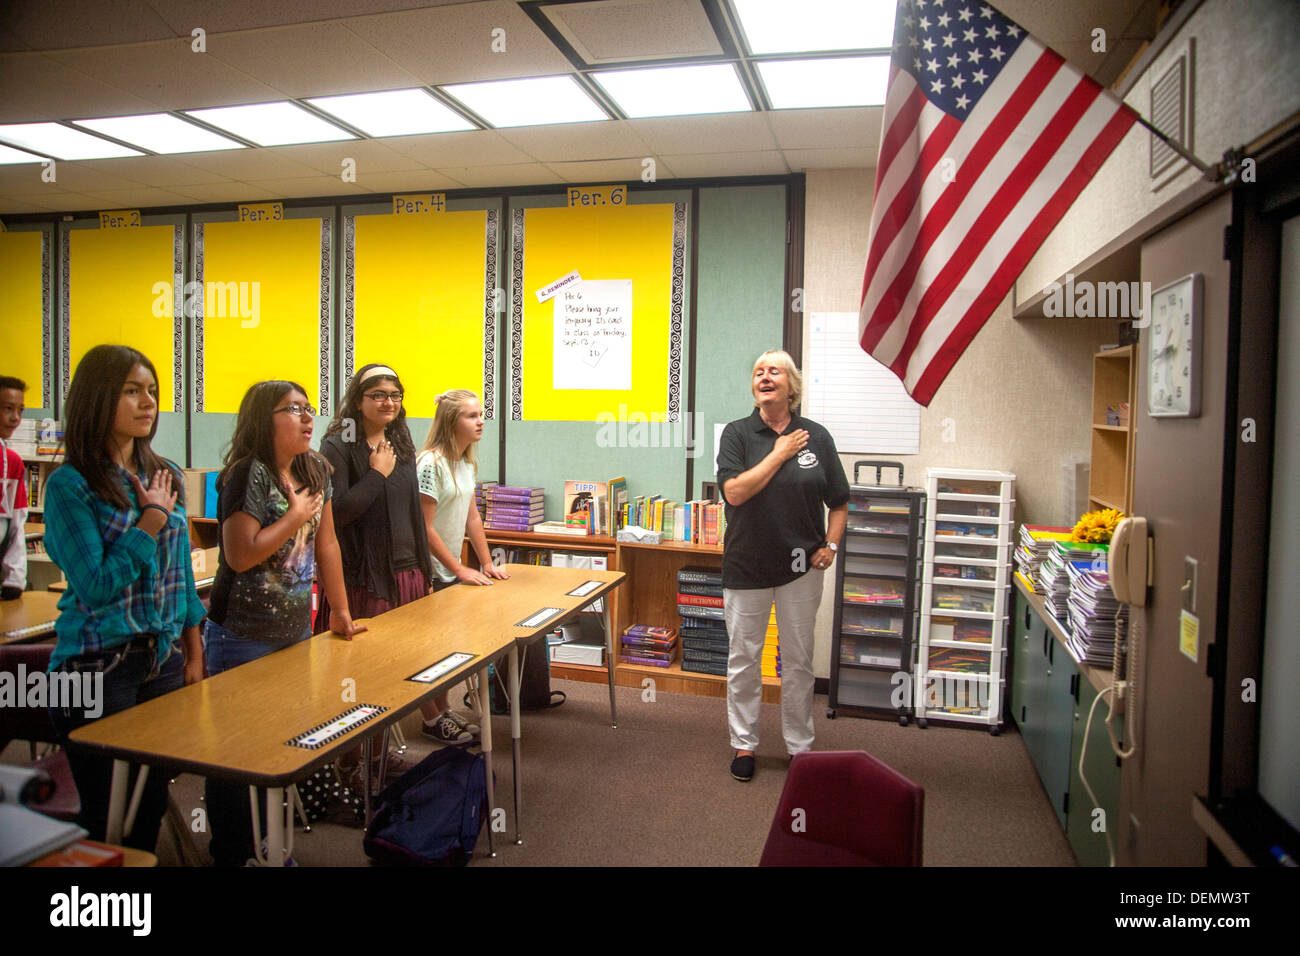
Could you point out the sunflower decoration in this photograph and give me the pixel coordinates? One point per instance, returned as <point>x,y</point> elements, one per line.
<point>1096,527</point>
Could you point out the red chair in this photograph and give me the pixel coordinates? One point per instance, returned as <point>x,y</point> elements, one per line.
<point>845,808</point>
<point>34,724</point>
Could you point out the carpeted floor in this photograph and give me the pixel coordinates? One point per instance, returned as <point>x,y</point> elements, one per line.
<point>656,791</point>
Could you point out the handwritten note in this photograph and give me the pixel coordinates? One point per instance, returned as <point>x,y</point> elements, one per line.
<point>593,336</point>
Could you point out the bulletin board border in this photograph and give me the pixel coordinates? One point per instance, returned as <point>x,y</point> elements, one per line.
<point>490,300</point>
<point>676,323</point>
<point>47,330</point>
<point>196,316</point>
<point>178,318</point>
<point>65,308</point>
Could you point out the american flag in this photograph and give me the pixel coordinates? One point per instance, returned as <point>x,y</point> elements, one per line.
<point>988,138</point>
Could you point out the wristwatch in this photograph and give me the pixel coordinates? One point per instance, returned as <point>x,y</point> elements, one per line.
<point>835,548</point>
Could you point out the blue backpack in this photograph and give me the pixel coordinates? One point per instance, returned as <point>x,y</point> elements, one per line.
<point>432,814</point>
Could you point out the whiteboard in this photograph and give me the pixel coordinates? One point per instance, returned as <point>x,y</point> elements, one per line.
<point>858,400</point>
<point>593,335</point>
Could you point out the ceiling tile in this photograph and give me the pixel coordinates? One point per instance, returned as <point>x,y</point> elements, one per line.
<point>698,165</point>
<point>480,147</point>
<point>62,24</point>
<point>411,180</point>
<point>62,201</point>
<point>454,44</point>
<point>68,175</point>
<point>227,192</point>
<point>521,174</point>
<point>672,135</point>
<point>250,164</point>
<point>843,127</point>
<point>575,141</point>
<point>371,156</point>
<point>635,29</point>
<point>598,171</point>
<point>37,88</point>
<point>230,15</point>
<point>141,196</point>
<point>159,171</point>
<point>801,160</point>
<point>168,74</point>
<point>17,207</point>
<point>314,59</point>
<point>305,188</point>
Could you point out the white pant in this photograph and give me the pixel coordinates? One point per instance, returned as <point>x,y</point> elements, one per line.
<point>747,614</point>
<point>13,563</point>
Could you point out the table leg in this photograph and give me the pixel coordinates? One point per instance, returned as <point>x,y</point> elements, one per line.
<point>136,796</point>
<point>609,657</point>
<point>275,826</point>
<point>365,778</point>
<point>514,736</point>
<point>117,802</point>
<point>483,707</point>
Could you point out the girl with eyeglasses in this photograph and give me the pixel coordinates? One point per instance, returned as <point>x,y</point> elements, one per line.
<point>277,528</point>
<point>115,524</point>
<point>377,515</point>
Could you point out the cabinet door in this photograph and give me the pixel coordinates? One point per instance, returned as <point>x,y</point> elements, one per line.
<point>1033,709</point>
<point>1083,826</point>
<point>1021,646</point>
<point>1059,714</point>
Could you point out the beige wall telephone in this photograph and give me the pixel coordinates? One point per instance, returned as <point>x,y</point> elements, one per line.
<point>1130,576</point>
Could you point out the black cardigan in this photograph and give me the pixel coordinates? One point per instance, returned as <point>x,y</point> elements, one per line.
<point>361,520</point>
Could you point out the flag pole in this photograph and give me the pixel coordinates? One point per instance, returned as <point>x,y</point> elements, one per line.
<point>1211,172</point>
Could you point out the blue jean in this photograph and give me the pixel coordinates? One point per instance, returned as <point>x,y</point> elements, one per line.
<point>132,676</point>
<point>229,820</point>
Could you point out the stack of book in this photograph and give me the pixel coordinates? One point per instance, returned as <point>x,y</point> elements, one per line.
<point>694,522</point>
<point>1092,609</point>
<point>649,645</point>
<point>1053,580</point>
<point>480,502</point>
<point>703,630</point>
<point>1035,544</point>
<point>512,509</point>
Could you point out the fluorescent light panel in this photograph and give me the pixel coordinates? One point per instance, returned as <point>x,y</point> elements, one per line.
<point>10,155</point>
<point>675,90</point>
<point>62,142</point>
<point>814,26</point>
<point>160,132</point>
<point>838,81</point>
<point>538,101</point>
<point>272,124</point>
<point>395,113</point>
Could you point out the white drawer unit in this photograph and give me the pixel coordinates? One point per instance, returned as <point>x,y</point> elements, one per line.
<point>966,567</point>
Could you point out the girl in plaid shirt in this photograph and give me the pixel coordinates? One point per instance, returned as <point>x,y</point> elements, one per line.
<point>115,524</point>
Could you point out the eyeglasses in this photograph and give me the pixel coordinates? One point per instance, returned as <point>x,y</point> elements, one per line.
<point>380,397</point>
<point>296,410</point>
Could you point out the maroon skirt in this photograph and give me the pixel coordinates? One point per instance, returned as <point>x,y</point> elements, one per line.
<point>411,586</point>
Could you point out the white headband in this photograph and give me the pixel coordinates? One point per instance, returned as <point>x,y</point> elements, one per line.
<point>379,371</point>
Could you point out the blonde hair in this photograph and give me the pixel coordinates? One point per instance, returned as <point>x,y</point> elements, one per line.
<point>782,358</point>
<point>441,439</point>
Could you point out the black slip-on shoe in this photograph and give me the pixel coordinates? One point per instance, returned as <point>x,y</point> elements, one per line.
<point>742,768</point>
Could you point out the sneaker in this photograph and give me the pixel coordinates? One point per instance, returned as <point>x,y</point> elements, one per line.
<point>742,768</point>
<point>447,729</point>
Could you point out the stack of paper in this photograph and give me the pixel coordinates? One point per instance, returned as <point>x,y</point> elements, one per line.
<point>1092,609</point>
<point>1035,544</point>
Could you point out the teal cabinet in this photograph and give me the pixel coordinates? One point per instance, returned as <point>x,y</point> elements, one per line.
<point>1050,697</point>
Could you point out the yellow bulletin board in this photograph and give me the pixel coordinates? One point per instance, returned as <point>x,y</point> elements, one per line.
<point>640,243</point>
<point>264,312</point>
<point>120,287</point>
<point>418,296</point>
<point>24,313</point>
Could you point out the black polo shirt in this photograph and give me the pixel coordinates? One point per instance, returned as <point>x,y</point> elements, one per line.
<point>787,514</point>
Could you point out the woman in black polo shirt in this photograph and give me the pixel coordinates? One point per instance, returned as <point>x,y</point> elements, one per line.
<point>776,471</point>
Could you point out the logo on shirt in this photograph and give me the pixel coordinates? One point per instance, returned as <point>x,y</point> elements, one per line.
<point>807,459</point>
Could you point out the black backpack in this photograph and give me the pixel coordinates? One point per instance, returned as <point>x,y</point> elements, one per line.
<point>432,814</point>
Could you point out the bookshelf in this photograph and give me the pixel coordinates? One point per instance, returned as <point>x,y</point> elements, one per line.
<point>1110,480</point>
<point>649,597</point>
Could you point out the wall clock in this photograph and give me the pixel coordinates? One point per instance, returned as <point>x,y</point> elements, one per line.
<point>1174,349</point>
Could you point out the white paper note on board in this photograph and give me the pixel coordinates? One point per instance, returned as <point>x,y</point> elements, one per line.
<point>593,336</point>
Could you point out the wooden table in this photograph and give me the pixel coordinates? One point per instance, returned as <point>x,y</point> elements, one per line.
<point>28,617</point>
<point>237,725</point>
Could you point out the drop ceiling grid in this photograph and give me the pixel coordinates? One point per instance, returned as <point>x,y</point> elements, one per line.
<point>622,32</point>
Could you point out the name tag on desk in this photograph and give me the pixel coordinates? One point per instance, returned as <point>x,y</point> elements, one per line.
<point>444,666</point>
<point>322,734</point>
<point>582,590</point>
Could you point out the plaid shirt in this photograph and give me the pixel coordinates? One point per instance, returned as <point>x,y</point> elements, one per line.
<point>121,581</point>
